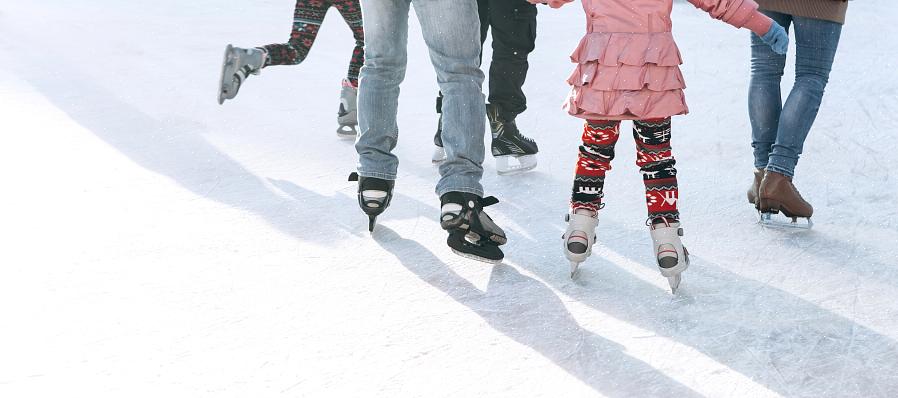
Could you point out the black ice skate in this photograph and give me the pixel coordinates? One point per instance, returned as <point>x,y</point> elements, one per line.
<point>514,152</point>
<point>347,115</point>
<point>472,233</point>
<point>439,153</point>
<point>374,196</point>
<point>237,65</point>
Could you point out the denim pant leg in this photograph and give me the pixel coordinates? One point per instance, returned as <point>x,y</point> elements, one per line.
<point>765,100</point>
<point>386,34</point>
<point>452,32</point>
<point>816,42</point>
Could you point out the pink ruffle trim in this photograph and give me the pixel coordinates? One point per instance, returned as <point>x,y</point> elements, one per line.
<point>622,76</point>
<point>586,103</point>
<point>627,77</point>
<point>613,49</point>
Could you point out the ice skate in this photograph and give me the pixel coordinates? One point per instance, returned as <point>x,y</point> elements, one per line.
<point>777,195</point>
<point>672,256</point>
<point>238,64</point>
<point>347,115</point>
<point>374,196</point>
<point>439,153</point>
<point>472,233</point>
<point>752,193</point>
<point>579,237</point>
<point>514,152</point>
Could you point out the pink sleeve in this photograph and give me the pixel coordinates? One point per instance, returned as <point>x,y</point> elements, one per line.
<point>739,13</point>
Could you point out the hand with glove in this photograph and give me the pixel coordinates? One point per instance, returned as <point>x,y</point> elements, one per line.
<point>777,39</point>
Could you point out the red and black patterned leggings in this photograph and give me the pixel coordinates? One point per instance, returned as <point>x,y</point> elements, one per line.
<point>653,156</point>
<point>307,18</point>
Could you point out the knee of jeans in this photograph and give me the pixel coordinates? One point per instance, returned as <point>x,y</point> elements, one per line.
<point>459,73</point>
<point>768,68</point>
<point>383,68</point>
<point>814,80</point>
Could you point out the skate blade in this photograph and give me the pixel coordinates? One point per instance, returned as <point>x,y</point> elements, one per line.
<point>347,131</point>
<point>224,67</point>
<point>439,155</point>
<point>372,220</point>
<point>575,269</point>
<point>674,282</point>
<point>476,257</point>
<point>523,163</point>
<point>781,221</point>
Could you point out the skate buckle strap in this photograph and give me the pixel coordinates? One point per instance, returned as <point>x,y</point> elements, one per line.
<point>488,201</point>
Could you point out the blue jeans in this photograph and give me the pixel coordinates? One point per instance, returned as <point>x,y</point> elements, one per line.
<point>451,29</point>
<point>779,130</point>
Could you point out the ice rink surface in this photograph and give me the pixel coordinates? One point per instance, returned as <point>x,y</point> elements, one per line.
<point>158,244</point>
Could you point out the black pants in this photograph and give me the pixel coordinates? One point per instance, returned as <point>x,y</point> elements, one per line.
<point>513,26</point>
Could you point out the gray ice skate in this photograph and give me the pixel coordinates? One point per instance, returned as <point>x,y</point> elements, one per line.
<point>347,115</point>
<point>238,64</point>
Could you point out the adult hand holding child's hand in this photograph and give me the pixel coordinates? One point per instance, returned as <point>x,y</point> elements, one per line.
<point>551,3</point>
<point>777,39</point>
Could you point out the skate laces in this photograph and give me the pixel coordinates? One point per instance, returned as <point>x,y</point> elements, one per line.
<point>595,211</point>
<point>651,222</point>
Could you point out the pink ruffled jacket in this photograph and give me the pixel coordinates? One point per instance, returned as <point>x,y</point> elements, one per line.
<point>628,65</point>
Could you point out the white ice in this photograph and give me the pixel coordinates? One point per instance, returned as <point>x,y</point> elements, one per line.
<point>158,244</point>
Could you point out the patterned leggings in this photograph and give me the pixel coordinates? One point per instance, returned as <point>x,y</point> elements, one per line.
<point>653,156</point>
<point>307,19</point>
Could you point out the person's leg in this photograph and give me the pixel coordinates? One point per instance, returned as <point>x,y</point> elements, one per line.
<point>513,24</point>
<point>386,32</point>
<point>351,11</point>
<point>764,97</point>
<point>307,18</point>
<point>656,163</point>
<point>593,161</point>
<point>483,11</point>
<point>454,44</point>
<point>816,42</point>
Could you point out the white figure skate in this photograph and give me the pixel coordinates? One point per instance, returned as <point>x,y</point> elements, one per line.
<point>672,256</point>
<point>579,237</point>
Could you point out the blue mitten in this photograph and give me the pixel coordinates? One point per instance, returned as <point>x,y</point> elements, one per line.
<point>777,39</point>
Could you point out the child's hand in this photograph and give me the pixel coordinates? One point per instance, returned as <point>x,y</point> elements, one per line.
<point>777,39</point>
<point>551,3</point>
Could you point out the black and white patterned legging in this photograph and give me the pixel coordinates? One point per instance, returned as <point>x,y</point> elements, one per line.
<point>307,18</point>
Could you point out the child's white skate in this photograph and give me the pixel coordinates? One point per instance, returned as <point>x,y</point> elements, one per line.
<point>347,115</point>
<point>672,256</point>
<point>237,65</point>
<point>579,237</point>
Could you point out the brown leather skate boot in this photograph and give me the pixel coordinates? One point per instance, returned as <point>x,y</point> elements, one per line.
<point>755,186</point>
<point>777,194</point>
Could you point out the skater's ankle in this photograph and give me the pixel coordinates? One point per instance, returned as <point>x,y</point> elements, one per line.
<point>585,211</point>
<point>262,54</point>
<point>353,83</point>
<point>663,221</point>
